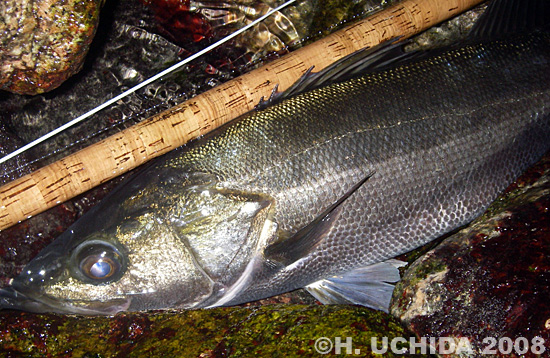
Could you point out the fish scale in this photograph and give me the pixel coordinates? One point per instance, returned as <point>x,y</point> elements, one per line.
<point>298,133</point>
<point>447,160</point>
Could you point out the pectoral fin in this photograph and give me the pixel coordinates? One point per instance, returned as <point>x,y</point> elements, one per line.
<point>304,241</point>
<point>368,286</point>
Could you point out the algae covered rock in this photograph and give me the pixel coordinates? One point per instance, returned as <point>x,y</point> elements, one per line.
<point>267,331</point>
<point>43,42</point>
<point>489,282</point>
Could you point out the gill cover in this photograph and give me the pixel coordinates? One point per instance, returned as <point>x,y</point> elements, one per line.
<point>166,239</point>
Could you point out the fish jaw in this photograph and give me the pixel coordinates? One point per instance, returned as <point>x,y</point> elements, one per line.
<point>11,298</point>
<point>29,290</point>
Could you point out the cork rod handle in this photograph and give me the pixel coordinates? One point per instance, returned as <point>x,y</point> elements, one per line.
<point>159,134</point>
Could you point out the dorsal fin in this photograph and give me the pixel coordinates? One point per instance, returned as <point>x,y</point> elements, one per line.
<point>504,17</point>
<point>355,64</point>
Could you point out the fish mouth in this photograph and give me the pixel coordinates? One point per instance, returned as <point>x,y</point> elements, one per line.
<point>10,298</point>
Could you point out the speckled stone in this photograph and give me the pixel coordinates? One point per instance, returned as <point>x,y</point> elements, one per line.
<point>490,281</point>
<point>43,42</point>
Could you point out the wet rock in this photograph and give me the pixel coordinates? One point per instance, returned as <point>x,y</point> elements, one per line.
<point>490,281</point>
<point>130,46</point>
<point>449,32</point>
<point>333,14</point>
<point>284,31</point>
<point>122,55</point>
<point>43,42</point>
<point>267,331</point>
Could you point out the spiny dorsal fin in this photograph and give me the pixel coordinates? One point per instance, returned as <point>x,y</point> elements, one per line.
<point>504,17</point>
<point>355,64</point>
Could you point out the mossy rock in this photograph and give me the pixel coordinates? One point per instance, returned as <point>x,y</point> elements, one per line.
<point>266,331</point>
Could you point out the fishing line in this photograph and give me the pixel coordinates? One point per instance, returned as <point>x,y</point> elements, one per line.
<point>142,84</point>
<point>132,117</point>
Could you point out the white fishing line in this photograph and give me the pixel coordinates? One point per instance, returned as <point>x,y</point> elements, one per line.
<point>141,85</point>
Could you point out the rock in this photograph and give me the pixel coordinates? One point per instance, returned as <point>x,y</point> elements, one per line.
<point>490,281</point>
<point>208,20</point>
<point>43,42</point>
<point>267,331</point>
<point>123,54</point>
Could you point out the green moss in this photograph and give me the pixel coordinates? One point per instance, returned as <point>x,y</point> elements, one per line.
<point>273,330</point>
<point>424,270</point>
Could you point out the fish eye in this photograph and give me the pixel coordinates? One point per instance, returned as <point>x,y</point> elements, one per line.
<point>98,262</point>
<point>98,266</point>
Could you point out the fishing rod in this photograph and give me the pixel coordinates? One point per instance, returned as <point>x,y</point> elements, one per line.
<point>129,148</point>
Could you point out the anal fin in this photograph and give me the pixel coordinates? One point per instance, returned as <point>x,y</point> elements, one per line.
<point>369,286</point>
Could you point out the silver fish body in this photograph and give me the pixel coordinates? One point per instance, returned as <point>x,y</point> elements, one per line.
<point>437,140</point>
<point>324,183</point>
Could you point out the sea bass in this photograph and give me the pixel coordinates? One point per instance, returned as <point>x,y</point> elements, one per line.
<point>319,190</point>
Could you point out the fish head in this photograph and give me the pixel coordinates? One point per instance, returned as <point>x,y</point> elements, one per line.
<point>176,241</point>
